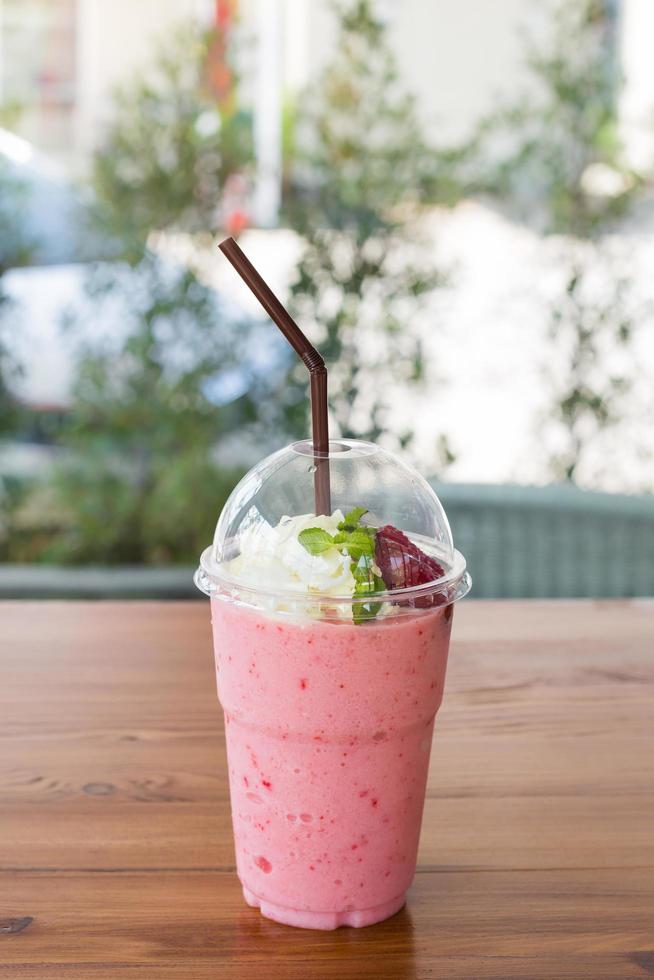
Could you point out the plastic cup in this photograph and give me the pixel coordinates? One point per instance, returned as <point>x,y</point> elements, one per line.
<point>329,722</point>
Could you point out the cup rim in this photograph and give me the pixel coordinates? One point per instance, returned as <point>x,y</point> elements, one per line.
<point>210,579</point>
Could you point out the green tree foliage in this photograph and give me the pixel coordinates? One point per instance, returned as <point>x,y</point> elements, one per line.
<point>171,146</point>
<point>14,251</point>
<point>591,329</point>
<point>142,483</point>
<point>361,175</point>
<point>556,159</point>
<point>548,144</point>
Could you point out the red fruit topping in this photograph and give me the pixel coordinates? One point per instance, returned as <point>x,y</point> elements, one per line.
<point>403,565</point>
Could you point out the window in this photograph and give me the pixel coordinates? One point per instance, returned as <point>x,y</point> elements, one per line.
<point>37,64</point>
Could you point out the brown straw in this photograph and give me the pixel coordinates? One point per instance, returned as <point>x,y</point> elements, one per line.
<point>310,356</point>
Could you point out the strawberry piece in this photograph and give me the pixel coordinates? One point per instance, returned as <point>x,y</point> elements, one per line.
<point>403,565</point>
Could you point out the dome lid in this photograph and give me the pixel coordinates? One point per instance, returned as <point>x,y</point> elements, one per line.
<point>278,493</point>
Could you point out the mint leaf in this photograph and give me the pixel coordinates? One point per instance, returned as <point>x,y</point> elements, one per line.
<point>352,519</point>
<point>315,540</point>
<point>366,583</point>
<point>356,543</point>
<point>364,611</point>
<point>365,579</point>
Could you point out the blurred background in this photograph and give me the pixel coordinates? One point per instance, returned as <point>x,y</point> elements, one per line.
<point>455,199</point>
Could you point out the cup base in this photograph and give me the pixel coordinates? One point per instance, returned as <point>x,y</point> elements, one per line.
<point>303,919</point>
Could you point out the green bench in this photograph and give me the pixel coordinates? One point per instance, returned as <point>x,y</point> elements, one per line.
<point>520,542</point>
<point>547,542</point>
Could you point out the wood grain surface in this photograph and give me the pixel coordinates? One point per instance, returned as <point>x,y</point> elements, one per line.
<point>537,853</point>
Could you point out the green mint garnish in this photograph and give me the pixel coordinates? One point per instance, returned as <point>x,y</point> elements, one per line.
<point>357,541</point>
<point>363,611</point>
<point>315,540</point>
<point>352,519</point>
<point>367,583</point>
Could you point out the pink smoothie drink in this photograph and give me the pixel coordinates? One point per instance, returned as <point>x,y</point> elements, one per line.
<point>329,728</point>
<point>332,578</point>
<point>331,633</point>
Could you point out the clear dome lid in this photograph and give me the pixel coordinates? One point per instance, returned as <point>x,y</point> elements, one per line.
<point>276,499</point>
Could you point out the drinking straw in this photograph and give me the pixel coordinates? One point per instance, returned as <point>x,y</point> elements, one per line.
<point>311,358</point>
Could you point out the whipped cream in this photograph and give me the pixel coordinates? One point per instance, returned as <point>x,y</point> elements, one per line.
<point>273,558</point>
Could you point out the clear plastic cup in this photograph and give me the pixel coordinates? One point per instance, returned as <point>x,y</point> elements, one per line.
<point>329,710</point>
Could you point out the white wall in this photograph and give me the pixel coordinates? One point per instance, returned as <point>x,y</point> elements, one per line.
<point>637,110</point>
<point>455,55</point>
<point>114,39</point>
<point>458,55</point>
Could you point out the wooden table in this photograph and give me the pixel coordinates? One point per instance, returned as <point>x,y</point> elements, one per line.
<point>537,854</point>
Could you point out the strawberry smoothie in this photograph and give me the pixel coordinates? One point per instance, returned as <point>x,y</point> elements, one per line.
<point>331,635</point>
<point>329,728</point>
<point>332,578</point>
